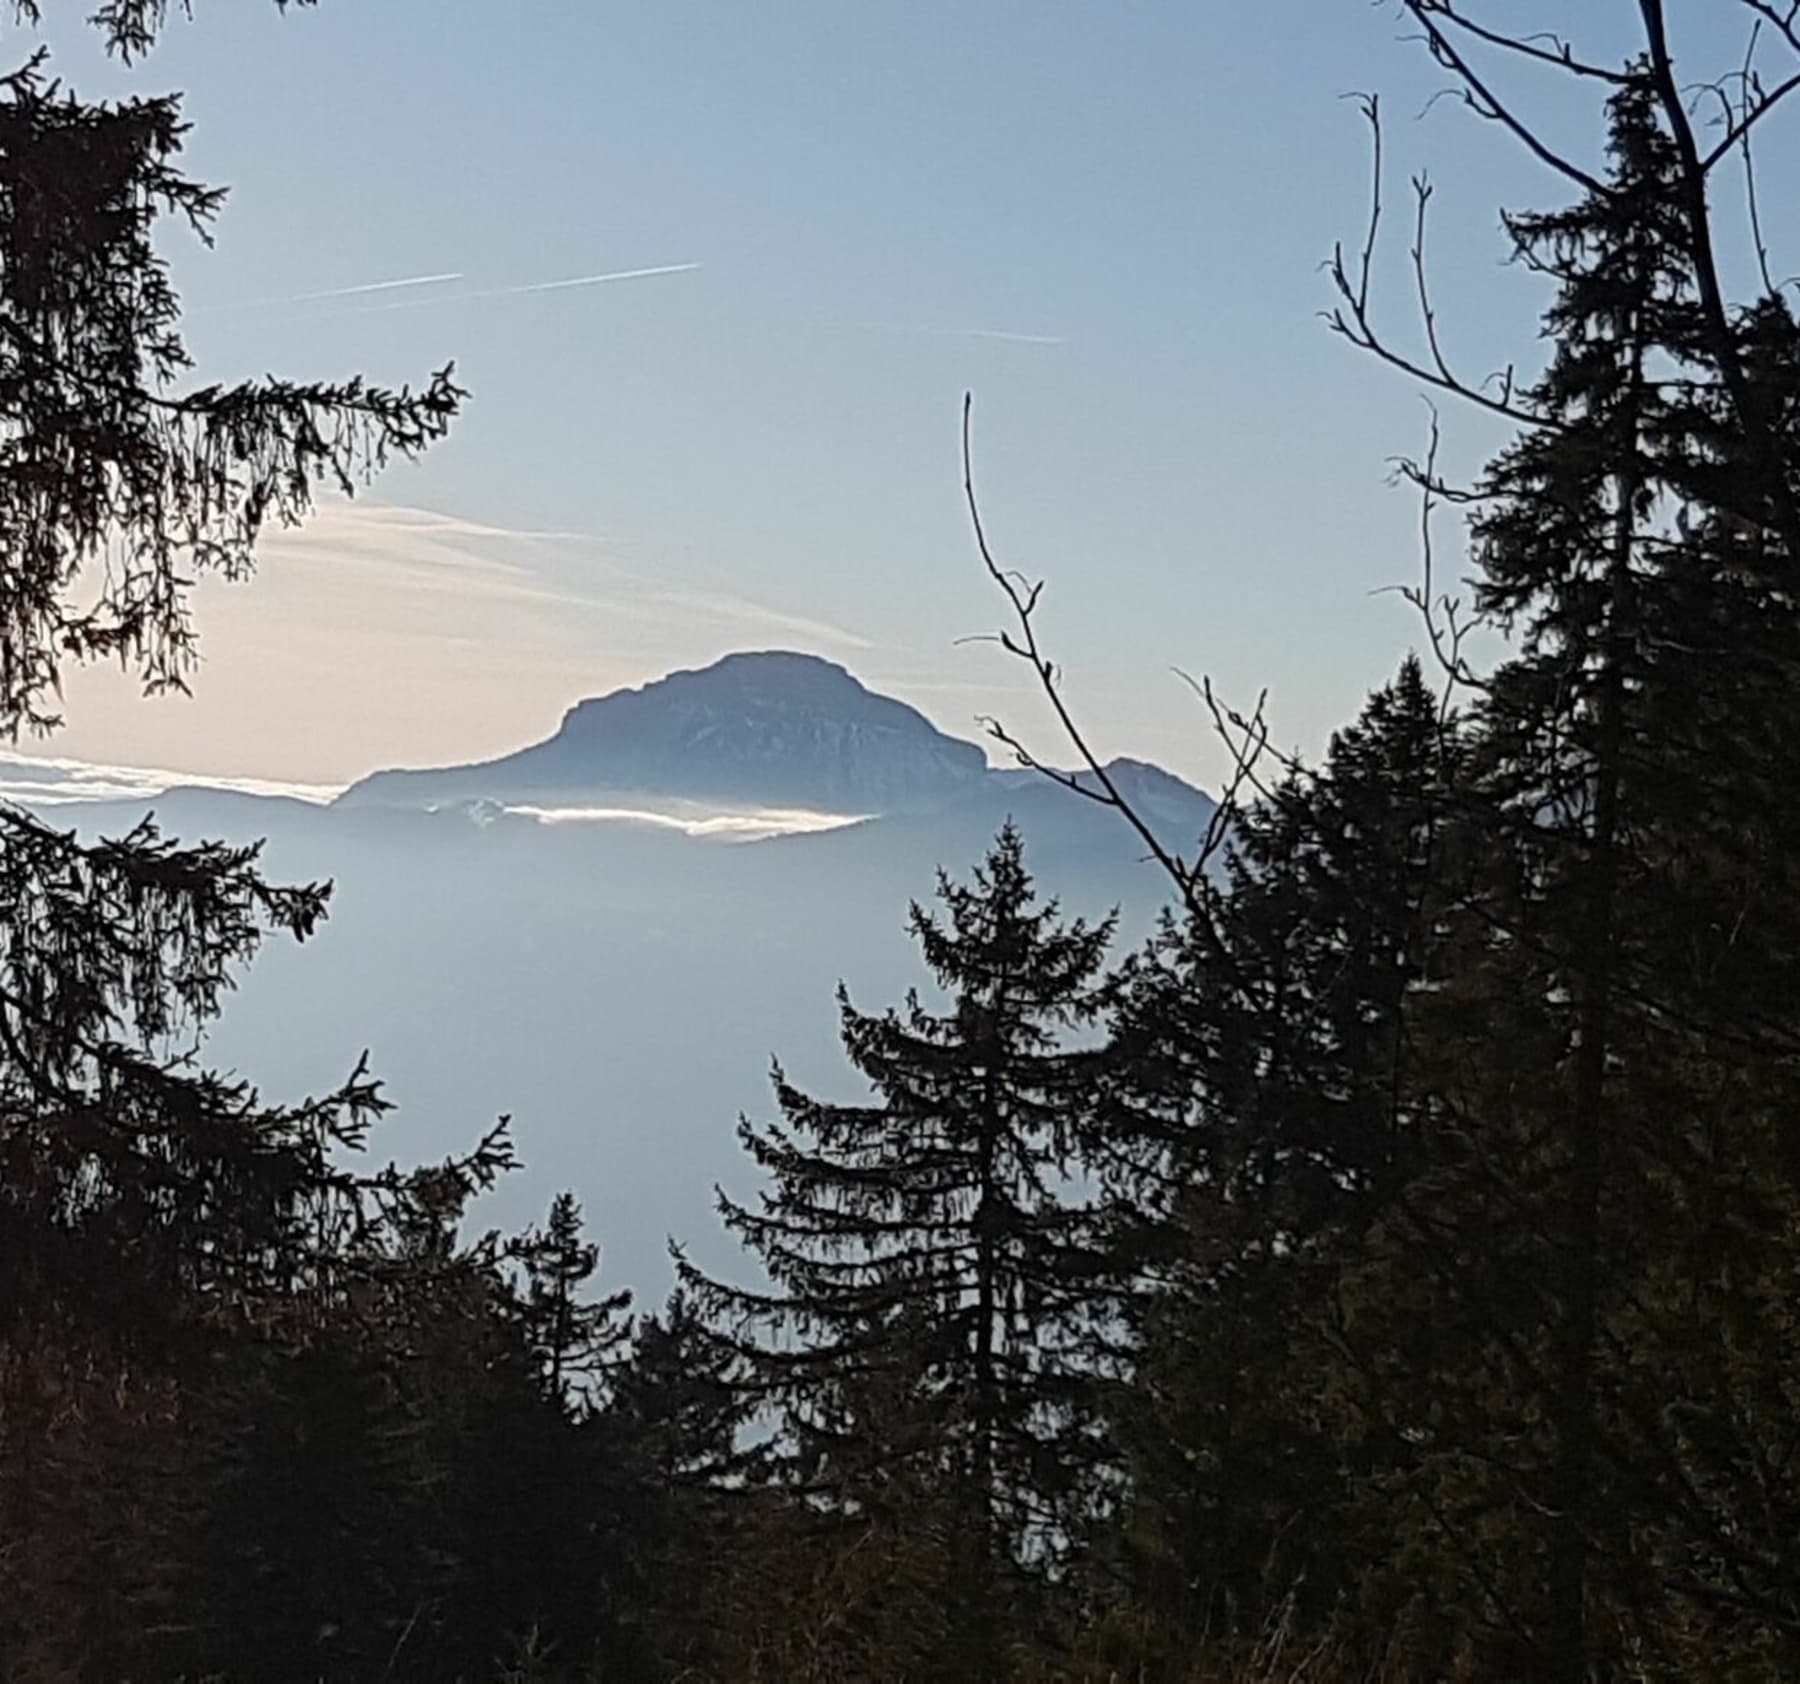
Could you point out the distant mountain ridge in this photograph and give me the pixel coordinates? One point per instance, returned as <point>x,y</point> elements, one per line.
<point>763,728</point>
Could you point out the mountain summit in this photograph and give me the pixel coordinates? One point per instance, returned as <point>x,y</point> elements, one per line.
<point>768,728</point>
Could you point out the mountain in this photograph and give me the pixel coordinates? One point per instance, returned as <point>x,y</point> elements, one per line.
<point>774,729</point>
<point>768,729</point>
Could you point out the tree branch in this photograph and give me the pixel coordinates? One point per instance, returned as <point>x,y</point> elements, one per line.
<point>1353,319</point>
<point>1481,99</point>
<point>1557,53</point>
<point>1023,599</point>
<point>1721,339</point>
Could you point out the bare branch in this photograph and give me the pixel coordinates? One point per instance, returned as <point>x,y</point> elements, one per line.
<point>1427,312</point>
<point>1481,100</point>
<point>1749,82</point>
<point>1246,741</point>
<point>1746,400</point>
<point>1446,635</point>
<point>1024,601</point>
<point>1353,319</point>
<point>1785,20</point>
<point>1371,109</point>
<point>1754,111</point>
<point>1546,48</point>
<point>1758,102</point>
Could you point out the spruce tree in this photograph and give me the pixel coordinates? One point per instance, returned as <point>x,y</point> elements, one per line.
<point>1259,1114</point>
<point>1637,792</point>
<point>669,1435</point>
<point>1569,1319</point>
<point>157,1221</point>
<point>934,1286</point>
<point>572,1340</point>
<point>123,480</point>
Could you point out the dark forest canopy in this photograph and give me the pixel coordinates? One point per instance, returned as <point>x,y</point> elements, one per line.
<point>1386,1272</point>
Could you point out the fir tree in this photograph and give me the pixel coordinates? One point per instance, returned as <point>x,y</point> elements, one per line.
<point>669,1435</point>
<point>1259,1109</point>
<point>1538,1319</point>
<point>934,1281</point>
<point>1598,539</point>
<point>157,1221</point>
<point>571,1341</point>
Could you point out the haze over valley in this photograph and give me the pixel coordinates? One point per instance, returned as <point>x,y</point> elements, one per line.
<point>610,934</point>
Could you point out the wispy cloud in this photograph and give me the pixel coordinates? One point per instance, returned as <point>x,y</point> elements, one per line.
<point>404,517</point>
<point>752,826</point>
<point>741,611</point>
<point>57,781</point>
<point>420,556</point>
<point>378,634</point>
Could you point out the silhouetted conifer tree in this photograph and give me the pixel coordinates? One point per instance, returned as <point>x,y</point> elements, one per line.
<point>1541,1321</point>
<point>1259,1120</point>
<point>669,1430</point>
<point>934,1279</point>
<point>157,1222</point>
<point>572,1340</point>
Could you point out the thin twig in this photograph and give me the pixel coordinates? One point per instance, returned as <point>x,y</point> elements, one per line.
<point>1353,319</point>
<point>1446,637</point>
<point>1750,83</point>
<point>1481,99</point>
<point>1557,53</point>
<point>1024,599</point>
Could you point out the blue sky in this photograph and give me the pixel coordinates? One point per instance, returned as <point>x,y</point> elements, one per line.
<point>762,450</point>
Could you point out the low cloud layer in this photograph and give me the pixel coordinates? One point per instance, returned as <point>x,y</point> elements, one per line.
<point>57,782</point>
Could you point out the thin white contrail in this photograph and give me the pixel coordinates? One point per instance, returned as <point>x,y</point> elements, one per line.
<point>590,280</point>
<point>334,292</point>
<point>1010,338</point>
<point>1005,335</point>
<point>530,286</point>
<point>372,286</point>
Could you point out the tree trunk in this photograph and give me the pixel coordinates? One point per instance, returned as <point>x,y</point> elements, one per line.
<point>1569,1638</point>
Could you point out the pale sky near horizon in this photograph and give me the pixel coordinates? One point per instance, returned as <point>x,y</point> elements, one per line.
<point>1106,222</point>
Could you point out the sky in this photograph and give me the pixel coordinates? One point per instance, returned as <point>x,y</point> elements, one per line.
<point>829,221</point>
